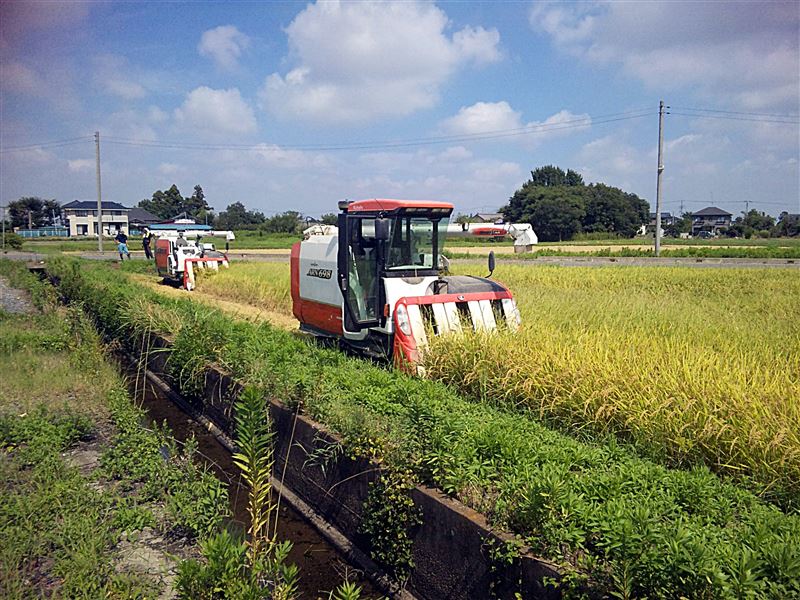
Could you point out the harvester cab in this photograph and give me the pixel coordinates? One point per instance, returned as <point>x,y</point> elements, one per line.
<point>180,249</point>
<point>373,281</point>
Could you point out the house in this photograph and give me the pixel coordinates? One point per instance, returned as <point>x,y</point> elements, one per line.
<point>82,217</point>
<point>487,218</point>
<point>139,218</point>
<point>711,219</point>
<point>667,219</point>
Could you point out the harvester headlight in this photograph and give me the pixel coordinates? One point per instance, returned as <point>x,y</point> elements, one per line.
<point>402,319</point>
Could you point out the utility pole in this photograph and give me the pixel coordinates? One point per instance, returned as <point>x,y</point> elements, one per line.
<point>660,171</point>
<point>99,197</point>
<point>4,227</point>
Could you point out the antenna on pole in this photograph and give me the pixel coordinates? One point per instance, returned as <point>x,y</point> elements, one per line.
<point>658,178</point>
<point>99,196</point>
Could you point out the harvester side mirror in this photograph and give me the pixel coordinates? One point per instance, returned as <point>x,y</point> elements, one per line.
<point>382,230</point>
<point>492,263</point>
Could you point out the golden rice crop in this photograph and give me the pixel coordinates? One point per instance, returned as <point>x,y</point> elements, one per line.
<point>691,365</point>
<point>263,284</point>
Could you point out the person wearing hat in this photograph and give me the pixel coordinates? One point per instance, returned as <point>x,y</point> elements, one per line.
<point>146,237</point>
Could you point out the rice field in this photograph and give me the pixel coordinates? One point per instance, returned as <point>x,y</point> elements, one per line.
<point>691,366</point>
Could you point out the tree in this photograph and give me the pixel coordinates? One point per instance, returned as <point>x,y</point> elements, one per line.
<point>237,216</point>
<point>286,222</point>
<point>329,219</point>
<point>558,204</point>
<point>787,226</point>
<point>611,210</point>
<point>552,176</point>
<point>682,224</point>
<point>757,220</point>
<point>164,205</point>
<point>34,212</point>
<point>196,205</point>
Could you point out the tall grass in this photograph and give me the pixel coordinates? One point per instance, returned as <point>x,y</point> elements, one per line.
<point>693,367</point>
<point>265,285</point>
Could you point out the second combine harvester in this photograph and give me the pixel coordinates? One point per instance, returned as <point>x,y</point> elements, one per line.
<point>373,282</point>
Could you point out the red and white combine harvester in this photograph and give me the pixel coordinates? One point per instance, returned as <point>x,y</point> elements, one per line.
<point>179,250</point>
<point>374,283</point>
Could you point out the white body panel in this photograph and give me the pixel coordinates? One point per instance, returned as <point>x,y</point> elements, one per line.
<point>318,281</point>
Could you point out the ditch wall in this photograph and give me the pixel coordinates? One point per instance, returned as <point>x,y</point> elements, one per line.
<point>452,548</point>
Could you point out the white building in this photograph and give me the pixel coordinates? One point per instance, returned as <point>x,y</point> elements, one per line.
<point>82,218</point>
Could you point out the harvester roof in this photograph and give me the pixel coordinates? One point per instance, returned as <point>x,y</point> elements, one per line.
<point>387,205</point>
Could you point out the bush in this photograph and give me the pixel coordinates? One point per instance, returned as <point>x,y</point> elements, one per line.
<point>14,241</point>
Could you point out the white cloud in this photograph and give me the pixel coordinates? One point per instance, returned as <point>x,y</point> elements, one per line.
<point>216,111</point>
<point>168,168</point>
<point>113,75</point>
<point>744,53</point>
<point>359,61</point>
<point>224,45</point>
<point>499,117</point>
<point>81,164</point>
<point>22,79</point>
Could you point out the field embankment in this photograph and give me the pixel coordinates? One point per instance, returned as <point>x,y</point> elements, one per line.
<point>617,523</point>
<point>93,504</point>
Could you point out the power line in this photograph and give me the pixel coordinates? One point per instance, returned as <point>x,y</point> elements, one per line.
<point>787,121</point>
<point>51,144</point>
<point>737,112</point>
<point>528,130</point>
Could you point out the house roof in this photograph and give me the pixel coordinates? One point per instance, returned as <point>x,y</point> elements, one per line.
<point>92,205</point>
<point>142,216</point>
<point>712,211</point>
<point>492,217</point>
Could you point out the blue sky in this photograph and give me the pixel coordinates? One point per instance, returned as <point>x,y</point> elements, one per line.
<point>293,106</point>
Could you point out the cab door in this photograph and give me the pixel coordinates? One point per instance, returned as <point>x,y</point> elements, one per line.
<point>360,257</point>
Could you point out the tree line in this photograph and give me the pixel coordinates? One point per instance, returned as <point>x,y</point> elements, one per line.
<point>560,205</point>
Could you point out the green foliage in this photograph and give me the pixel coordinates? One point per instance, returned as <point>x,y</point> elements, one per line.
<point>389,517</point>
<point>286,222</point>
<point>617,523</point>
<point>236,216</point>
<point>195,499</point>
<point>56,530</point>
<point>255,567</point>
<point>14,241</point>
<point>329,219</point>
<point>167,205</point>
<point>227,573</point>
<point>41,212</point>
<point>559,206</point>
<point>43,295</point>
<point>254,457</point>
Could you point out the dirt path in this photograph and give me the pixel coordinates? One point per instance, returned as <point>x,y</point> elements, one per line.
<point>14,301</point>
<point>247,312</point>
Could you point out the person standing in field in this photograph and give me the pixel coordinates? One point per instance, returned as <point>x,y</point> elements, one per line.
<point>146,237</point>
<point>122,245</point>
